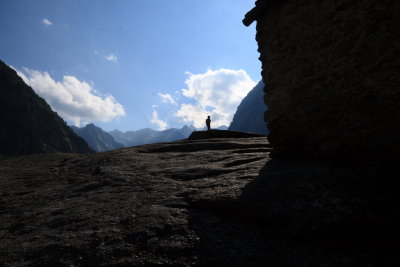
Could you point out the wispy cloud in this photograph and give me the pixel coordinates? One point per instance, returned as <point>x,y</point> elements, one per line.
<point>167,98</point>
<point>111,57</point>
<point>46,22</point>
<point>74,100</point>
<point>162,125</point>
<point>193,115</point>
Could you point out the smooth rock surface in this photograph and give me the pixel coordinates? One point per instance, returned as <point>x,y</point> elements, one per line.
<point>208,202</point>
<point>198,135</point>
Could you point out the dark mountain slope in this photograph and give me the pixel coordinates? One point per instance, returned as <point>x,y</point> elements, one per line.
<point>28,125</point>
<point>98,139</point>
<point>249,116</point>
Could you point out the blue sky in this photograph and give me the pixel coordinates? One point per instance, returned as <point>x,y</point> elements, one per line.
<point>132,64</point>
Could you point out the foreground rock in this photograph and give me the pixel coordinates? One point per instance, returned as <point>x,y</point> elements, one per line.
<point>206,202</point>
<point>198,135</point>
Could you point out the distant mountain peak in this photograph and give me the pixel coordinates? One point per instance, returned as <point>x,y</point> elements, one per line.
<point>98,139</point>
<point>249,116</point>
<point>149,136</point>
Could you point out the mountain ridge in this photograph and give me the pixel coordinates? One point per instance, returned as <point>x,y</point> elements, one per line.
<point>97,138</point>
<point>29,125</point>
<point>148,136</point>
<point>249,116</point>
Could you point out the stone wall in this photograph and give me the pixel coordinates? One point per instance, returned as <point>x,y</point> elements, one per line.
<point>331,69</point>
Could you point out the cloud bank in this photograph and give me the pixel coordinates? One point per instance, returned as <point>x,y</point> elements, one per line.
<point>216,93</point>
<point>167,98</point>
<point>75,101</point>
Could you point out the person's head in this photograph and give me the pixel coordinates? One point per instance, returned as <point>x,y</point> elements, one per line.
<point>208,117</point>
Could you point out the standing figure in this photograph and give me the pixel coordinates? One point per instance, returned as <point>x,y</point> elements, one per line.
<point>208,122</point>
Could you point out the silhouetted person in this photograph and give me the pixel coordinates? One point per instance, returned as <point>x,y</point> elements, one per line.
<point>208,122</point>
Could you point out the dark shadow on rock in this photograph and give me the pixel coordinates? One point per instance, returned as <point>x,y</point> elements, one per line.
<point>304,213</point>
<point>198,135</point>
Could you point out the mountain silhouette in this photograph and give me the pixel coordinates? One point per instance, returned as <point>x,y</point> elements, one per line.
<point>249,116</point>
<point>28,124</point>
<point>150,136</point>
<point>97,139</point>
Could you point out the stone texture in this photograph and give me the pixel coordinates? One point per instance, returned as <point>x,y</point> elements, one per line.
<point>207,202</point>
<point>331,70</point>
<point>127,207</point>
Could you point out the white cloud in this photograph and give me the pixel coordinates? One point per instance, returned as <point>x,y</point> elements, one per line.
<point>111,57</point>
<point>76,101</point>
<point>167,98</point>
<point>162,125</point>
<point>192,114</point>
<point>46,22</point>
<point>216,93</point>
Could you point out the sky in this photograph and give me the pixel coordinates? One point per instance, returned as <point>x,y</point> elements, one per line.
<point>133,64</point>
